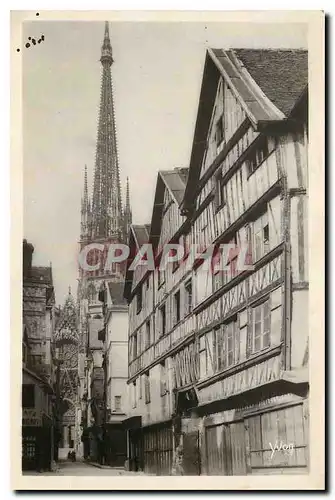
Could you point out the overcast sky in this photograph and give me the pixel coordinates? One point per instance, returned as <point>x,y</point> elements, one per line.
<point>156,75</point>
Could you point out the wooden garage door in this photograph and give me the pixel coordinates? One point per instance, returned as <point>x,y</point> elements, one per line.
<point>225,449</point>
<point>271,433</point>
<point>158,445</point>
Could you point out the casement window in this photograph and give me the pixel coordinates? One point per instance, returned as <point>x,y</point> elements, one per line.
<point>146,388</point>
<point>147,334</point>
<point>259,153</point>
<point>261,326</point>
<point>28,396</point>
<point>222,277</point>
<point>139,300</point>
<point>162,314</point>
<point>261,242</point>
<point>224,345</point>
<point>176,306</point>
<point>203,357</point>
<point>219,130</point>
<point>117,403</point>
<point>188,297</point>
<point>163,379</point>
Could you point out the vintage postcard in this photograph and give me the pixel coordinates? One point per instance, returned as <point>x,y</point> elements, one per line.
<point>168,242</point>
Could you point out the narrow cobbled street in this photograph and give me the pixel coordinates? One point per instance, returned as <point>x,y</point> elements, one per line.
<point>80,468</point>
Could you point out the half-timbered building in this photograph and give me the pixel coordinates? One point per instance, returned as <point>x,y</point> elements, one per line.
<point>223,379</point>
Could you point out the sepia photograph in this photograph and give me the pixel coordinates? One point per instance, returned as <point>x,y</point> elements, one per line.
<point>165,249</point>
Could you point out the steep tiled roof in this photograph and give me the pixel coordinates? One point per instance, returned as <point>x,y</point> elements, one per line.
<point>281,74</point>
<point>116,293</point>
<point>268,85</point>
<point>141,233</point>
<point>175,181</point>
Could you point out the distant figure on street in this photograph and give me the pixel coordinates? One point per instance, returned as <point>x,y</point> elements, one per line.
<point>71,455</point>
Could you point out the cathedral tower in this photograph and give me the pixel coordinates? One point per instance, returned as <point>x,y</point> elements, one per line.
<point>104,221</point>
<point>103,218</point>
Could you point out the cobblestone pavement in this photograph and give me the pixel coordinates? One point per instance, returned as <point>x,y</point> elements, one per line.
<point>83,469</point>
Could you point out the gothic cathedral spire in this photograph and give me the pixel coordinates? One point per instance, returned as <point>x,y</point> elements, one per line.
<point>127,212</point>
<point>85,210</point>
<point>107,213</point>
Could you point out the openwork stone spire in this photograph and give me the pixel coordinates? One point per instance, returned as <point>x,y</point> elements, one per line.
<point>85,210</point>
<point>127,212</point>
<point>66,328</point>
<point>106,203</point>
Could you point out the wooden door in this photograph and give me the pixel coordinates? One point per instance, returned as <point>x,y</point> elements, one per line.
<point>226,449</point>
<point>238,449</point>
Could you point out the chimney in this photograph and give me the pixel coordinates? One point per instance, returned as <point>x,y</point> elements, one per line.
<point>28,250</point>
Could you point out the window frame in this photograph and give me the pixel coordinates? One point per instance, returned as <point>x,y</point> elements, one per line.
<point>260,243</point>
<point>189,297</point>
<point>147,334</point>
<point>227,331</point>
<point>203,350</point>
<point>263,332</point>
<point>117,407</point>
<point>162,320</point>
<point>259,153</point>
<point>176,307</point>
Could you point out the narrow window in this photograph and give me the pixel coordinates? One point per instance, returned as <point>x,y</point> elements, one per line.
<point>162,320</point>
<point>261,237</point>
<point>147,334</point>
<point>117,403</point>
<point>177,307</point>
<point>188,297</point>
<point>203,357</point>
